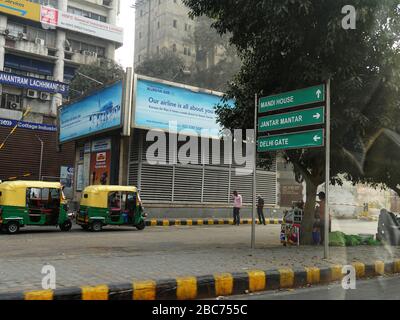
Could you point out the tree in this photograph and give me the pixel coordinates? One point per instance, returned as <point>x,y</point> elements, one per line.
<point>104,71</point>
<point>217,60</point>
<point>166,66</point>
<point>287,45</point>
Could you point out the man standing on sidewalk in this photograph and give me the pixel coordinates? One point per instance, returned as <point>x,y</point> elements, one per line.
<point>260,210</point>
<point>320,216</point>
<point>237,205</point>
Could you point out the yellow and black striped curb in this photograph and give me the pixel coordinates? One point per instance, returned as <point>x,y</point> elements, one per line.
<point>201,222</point>
<point>206,287</point>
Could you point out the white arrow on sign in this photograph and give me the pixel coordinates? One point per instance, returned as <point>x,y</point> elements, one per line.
<point>317,138</point>
<point>317,116</point>
<point>319,92</point>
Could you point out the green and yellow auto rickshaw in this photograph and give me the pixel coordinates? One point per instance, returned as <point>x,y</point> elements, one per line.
<point>32,203</point>
<point>110,205</point>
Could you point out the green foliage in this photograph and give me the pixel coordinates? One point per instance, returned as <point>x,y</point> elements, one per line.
<point>217,61</point>
<point>291,44</point>
<point>340,239</point>
<point>167,66</point>
<point>337,239</point>
<point>104,71</point>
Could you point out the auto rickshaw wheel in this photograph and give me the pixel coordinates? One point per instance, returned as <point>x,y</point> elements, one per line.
<point>12,227</point>
<point>96,226</point>
<point>141,226</point>
<point>66,226</point>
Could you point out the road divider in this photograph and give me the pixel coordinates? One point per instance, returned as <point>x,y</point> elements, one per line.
<point>202,222</point>
<point>212,286</point>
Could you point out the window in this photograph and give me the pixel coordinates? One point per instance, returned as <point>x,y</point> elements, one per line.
<point>175,24</point>
<point>140,35</point>
<point>139,57</point>
<point>185,51</point>
<point>49,3</point>
<point>158,25</point>
<point>11,101</point>
<point>174,47</point>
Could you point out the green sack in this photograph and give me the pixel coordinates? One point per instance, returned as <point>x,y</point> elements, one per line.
<point>352,240</point>
<point>337,239</point>
<point>372,242</point>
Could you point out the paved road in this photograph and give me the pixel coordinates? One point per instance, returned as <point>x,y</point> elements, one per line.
<point>355,226</point>
<point>122,255</point>
<point>375,289</point>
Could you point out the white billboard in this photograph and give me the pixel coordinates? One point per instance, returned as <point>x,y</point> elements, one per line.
<point>159,103</point>
<point>65,20</point>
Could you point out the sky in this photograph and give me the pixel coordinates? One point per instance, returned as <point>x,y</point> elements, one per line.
<point>126,20</point>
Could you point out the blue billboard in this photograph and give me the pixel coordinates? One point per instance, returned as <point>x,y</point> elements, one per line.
<point>158,105</point>
<point>98,112</point>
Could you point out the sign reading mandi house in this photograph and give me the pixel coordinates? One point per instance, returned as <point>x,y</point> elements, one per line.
<point>33,83</point>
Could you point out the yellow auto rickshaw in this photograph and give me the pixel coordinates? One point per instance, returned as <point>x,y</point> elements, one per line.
<point>32,203</point>
<point>110,205</point>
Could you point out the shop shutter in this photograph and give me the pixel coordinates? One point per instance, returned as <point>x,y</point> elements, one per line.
<point>243,185</point>
<point>153,157</point>
<point>188,183</point>
<point>266,186</point>
<point>156,183</point>
<point>21,155</point>
<point>134,151</point>
<point>133,174</point>
<point>216,186</point>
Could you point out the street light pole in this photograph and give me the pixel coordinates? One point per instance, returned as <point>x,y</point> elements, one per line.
<point>41,157</point>
<point>253,224</point>
<point>327,168</point>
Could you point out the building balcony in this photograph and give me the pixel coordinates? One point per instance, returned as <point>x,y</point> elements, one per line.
<point>34,48</point>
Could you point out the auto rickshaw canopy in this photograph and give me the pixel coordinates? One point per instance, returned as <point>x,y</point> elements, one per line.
<point>13,193</point>
<point>97,196</point>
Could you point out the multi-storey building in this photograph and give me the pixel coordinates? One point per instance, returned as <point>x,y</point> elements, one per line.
<point>164,25</point>
<point>42,43</point>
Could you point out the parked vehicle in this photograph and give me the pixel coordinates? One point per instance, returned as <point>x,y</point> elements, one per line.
<point>110,205</point>
<point>32,203</point>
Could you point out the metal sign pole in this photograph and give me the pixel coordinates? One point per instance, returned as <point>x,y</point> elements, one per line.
<point>253,225</point>
<point>327,167</point>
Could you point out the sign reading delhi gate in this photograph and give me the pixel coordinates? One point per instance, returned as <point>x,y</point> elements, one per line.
<point>297,140</point>
<point>290,120</point>
<point>293,99</point>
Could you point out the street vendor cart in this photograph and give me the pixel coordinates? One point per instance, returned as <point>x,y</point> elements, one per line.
<point>290,228</point>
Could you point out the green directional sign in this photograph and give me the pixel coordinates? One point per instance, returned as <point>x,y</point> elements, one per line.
<point>290,120</point>
<point>293,99</point>
<point>299,140</point>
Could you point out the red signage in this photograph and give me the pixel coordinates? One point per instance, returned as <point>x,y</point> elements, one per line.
<point>49,16</point>
<point>100,168</point>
